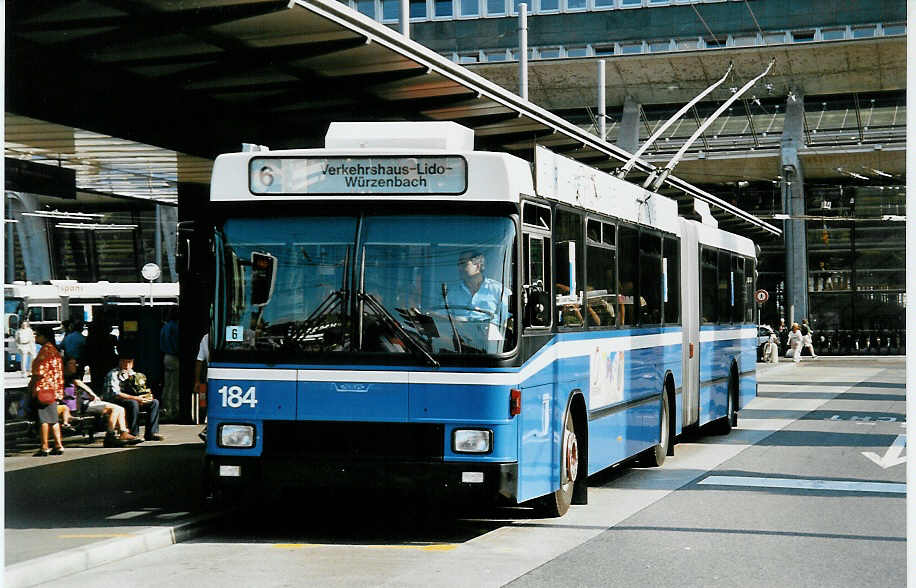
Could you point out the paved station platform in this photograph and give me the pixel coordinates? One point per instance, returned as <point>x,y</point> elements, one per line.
<point>95,505</point>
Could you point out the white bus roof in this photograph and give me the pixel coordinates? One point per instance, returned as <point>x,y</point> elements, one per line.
<point>715,237</point>
<point>568,181</point>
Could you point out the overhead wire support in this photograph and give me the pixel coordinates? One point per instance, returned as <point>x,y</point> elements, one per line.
<point>622,173</point>
<point>654,182</point>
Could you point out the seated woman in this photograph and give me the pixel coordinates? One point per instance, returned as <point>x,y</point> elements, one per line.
<point>117,434</point>
<point>64,415</point>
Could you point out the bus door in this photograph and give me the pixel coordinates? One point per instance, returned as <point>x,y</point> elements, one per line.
<point>538,393</point>
<point>690,303</point>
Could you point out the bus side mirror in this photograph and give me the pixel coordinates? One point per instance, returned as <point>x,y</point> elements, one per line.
<point>263,276</point>
<point>185,236</point>
<point>12,324</point>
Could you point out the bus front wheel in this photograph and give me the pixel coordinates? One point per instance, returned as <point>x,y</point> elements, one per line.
<point>557,503</point>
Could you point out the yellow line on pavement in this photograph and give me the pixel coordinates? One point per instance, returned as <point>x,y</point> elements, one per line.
<point>92,535</point>
<point>435,547</point>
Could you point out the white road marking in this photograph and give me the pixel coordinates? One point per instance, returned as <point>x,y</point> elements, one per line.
<point>891,456</point>
<point>172,515</point>
<point>131,514</point>
<point>802,484</point>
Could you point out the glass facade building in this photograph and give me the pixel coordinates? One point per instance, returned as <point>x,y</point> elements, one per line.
<point>856,265</point>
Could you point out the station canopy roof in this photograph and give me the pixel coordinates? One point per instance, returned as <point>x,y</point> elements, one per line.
<point>91,84</point>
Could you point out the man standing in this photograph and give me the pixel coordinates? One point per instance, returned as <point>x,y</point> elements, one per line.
<point>168,344</point>
<point>73,344</point>
<point>25,342</point>
<point>118,389</point>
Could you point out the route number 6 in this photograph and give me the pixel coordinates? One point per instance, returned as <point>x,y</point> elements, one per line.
<point>234,397</point>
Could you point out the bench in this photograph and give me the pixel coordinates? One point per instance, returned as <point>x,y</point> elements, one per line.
<point>22,430</point>
<point>26,429</point>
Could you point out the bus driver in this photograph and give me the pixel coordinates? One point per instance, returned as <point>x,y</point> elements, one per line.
<point>476,292</point>
<point>479,298</point>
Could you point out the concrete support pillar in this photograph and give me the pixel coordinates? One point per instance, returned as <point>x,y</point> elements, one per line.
<point>628,136</point>
<point>32,232</point>
<point>168,229</point>
<point>9,255</point>
<point>793,201</point>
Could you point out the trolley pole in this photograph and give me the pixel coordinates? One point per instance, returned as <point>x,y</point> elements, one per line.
<point>602,109</point>
<point>405,18</point>
<point>523,50</point>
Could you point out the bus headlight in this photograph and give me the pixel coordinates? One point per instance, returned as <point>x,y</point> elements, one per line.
<point>236,436</point>
<point>472,440</point>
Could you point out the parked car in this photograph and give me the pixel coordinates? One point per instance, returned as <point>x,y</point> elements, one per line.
<point>763,335</point>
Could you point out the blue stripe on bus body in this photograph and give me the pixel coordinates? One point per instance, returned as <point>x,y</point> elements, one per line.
<point>614,436</point>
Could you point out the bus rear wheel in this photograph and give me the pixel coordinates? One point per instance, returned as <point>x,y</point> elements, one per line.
<point>557,503</point>
<point>655,457</point>
<point>725,424</point>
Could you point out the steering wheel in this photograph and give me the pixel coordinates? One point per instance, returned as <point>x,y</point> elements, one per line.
<point>453,307</point>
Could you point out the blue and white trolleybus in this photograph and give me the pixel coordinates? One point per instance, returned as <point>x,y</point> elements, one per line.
<point>400,309</point>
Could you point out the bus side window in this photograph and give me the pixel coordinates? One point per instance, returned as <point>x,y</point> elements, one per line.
<point>749,279</point>
<point>708,285</point>
<point>650,279</point>
<point>536,295</point>
<point>671,264</point>
<point>726,293</point>
<point>600,274</point>
<point>738,285</point>
<point>568,256</point>
<point>627,252</point>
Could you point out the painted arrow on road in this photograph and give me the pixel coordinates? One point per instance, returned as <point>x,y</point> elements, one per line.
<point>891,456</point>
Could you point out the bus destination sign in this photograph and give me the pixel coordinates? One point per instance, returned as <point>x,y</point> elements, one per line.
<point>325,176</point>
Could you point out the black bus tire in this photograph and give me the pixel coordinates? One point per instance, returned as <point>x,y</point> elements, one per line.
<point>556,504</point>
<point>655,456</point>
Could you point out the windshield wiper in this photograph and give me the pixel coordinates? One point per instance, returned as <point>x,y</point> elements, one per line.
<point>337,298</point>
<point>387,318</point>
<point>303,331</point>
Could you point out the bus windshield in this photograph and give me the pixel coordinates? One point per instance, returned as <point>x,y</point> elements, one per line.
<point>422,284</point>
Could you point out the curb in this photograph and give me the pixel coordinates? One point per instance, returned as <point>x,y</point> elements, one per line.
<point>79,559</point>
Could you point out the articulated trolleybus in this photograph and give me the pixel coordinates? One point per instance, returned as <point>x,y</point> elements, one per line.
<point>399,309</point>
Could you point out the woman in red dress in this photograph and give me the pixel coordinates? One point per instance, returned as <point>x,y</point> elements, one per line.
<point>47,383</point>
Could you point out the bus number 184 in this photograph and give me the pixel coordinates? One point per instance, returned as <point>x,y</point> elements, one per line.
<point>234,397</point>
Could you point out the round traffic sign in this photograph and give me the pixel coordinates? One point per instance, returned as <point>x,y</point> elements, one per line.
<point>150,271</point>
<point>761,296</point>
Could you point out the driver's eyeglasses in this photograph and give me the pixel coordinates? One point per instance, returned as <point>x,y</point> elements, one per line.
<point>469,260</point>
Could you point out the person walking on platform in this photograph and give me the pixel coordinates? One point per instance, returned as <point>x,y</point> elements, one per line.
<point>771,349</point>
<point>168,344</point>
<point>783,332</point>
<point>120,388</point>
<point>47,387</point>
<point>807,337</point>
<point>795,343</point>
<point>25,342</point>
